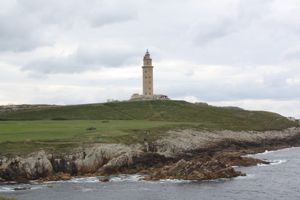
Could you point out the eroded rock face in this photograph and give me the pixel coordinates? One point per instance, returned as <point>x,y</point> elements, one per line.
<point>33,167</point>
<point>89,161</point>
<point>122,161</point>
<point>182,141</point>
<point>133,162</point>
<point>94,158</point>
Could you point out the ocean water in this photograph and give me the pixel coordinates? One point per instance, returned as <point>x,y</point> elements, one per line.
<point>280,180</point>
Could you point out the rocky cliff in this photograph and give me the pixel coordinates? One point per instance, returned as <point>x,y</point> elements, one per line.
<point>184,154</point>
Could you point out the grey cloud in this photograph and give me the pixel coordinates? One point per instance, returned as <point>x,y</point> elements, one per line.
<point>251,10</point>
<point>31,23</point>
<point>213,30</point>
<point>246,13</point>
<point>111,18</point>
<point>248,34</point>
<point>271,83</point>
<point>19,32</point>
<point>291,54</point>
<point>213,91</point>
<point>112,14</point>
<point>83,59</point>
<point>69,12</point>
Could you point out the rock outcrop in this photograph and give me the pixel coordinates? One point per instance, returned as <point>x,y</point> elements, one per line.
<point>183,154</point>
<point>194,170</point>
<point>204,166</point>
<point>188,140</point>
<point>35,166</point>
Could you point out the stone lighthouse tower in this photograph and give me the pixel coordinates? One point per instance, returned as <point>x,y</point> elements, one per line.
<point>148,83</point>
<point>147,76</point>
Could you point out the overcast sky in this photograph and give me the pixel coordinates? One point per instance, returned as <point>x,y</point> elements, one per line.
<point>225,52</point>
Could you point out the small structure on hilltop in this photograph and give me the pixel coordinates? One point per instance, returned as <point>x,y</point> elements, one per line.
<point>293,119</point>
<point>148,93</point>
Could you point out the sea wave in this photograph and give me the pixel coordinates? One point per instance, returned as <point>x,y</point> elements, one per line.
<point>272,162</point>
<point>92,179</point>
<point>6,189</point>
<point>18,187</point>
<point>277,162</point>
<point>245,177</point>
<point>126,178</point>
<point>174,181</point>
<point>274,151</point>
<point>96,179</point>
<point>84,180</point>
<point>266,152</point>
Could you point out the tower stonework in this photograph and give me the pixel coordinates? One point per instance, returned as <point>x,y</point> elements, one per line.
<point>147,76</point>
<point>148,93</point>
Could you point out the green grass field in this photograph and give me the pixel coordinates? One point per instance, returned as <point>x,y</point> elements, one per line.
<point>65,127</point>
<point>6,198</point>
<point>174,111</point>
<point>27,136</point>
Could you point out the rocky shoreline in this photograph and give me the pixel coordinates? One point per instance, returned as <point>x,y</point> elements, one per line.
<point>183,154</point>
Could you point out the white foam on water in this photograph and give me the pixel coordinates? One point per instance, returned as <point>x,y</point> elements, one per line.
<point>279,150</point>
<point>262,165</point>
<point>87,190</point>
<point>84,180</point>
<point>272,162</point>
<point>138,177</point>
<point>93,179</point>
<point>126,178</point>
<point>6,189</point>
<point>269,152</point>
<point>174,181</point>
<point>248,176</point>
<point>20,187</point>
<point>277,162</point>
<point>266,152</point>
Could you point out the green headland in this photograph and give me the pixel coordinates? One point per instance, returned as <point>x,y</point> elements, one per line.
<point>60,128</point>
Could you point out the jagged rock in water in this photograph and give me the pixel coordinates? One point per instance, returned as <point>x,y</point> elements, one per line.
<point>235,159</point>
<point>194,170</point>
<point>22,188</point>
<point>58,177</point>
<point>104,179</point>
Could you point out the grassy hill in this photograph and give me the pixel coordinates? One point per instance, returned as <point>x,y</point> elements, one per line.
<point>60,128</point>
<point>174,111</point>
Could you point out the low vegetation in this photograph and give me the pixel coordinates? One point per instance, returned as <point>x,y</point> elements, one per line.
<point>60,128</point>
<point>17,137</point>
<point>6,198</point>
